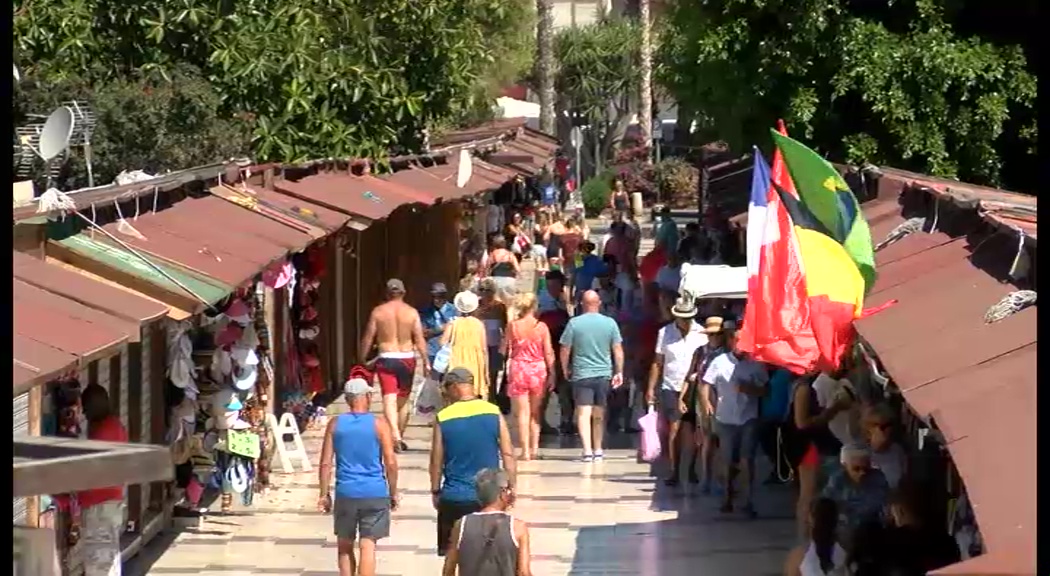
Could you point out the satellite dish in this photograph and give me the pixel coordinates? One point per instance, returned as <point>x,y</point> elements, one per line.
<point>466,168</point>
<point>18,77</point>
<point>54,138</point>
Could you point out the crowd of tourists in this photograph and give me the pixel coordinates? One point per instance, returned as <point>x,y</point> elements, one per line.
<point>608,335</point>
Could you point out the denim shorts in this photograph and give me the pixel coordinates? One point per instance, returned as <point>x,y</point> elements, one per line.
<point>738,442</point>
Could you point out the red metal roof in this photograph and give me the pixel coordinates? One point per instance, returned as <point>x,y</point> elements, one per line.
<point>35,362</point>
<point>288,207</point>
<point>84,290</point>
<point>212,237</point>
<point>976,380</point>
<point>366,196</point>
<point>438,181</point>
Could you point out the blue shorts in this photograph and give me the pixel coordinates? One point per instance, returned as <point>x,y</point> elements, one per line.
<point>738,442</point>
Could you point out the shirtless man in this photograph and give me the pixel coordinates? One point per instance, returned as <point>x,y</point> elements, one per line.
<point>394,327</point>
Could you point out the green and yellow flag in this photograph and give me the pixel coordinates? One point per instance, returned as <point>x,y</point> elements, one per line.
<point>827,196</point>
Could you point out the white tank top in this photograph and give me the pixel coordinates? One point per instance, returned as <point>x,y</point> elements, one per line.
<point>811,563</point>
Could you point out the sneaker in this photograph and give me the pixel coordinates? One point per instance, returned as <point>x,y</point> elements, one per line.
<point>598,456</point>
<point>399,446</point>
<point>587,458</point>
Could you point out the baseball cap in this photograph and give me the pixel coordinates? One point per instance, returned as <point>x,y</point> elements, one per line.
<point>459,376</point>
<point>438,288</point>
<point>395,285</point>
<point>356,387</point>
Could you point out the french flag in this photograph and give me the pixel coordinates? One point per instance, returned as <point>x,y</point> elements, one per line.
<point>776,327</point>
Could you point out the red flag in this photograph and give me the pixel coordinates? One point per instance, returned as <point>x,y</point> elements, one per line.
<point>776,327</point>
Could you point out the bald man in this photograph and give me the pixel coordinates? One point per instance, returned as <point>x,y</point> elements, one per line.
<point>592,358</point>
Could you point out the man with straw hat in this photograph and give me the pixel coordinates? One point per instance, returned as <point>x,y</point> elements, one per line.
<point>692,400</point>
<point>676,343</point>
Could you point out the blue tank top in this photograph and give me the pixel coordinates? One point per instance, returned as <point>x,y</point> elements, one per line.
<point>470,440</point>
<point>358,466</point>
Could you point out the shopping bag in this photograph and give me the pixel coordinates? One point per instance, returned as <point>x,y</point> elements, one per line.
<point>649,447</point>
<point>428,402</point>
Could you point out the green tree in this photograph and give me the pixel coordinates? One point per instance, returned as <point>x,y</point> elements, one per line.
<point>887,84</point>
<point>320,78</point>
<point>598,78</point>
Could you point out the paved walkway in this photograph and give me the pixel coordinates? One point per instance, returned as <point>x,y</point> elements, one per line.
<point>586,519</point>
<point>605,518</point>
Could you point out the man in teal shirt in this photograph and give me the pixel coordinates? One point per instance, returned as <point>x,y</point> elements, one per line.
<point>593,343</point>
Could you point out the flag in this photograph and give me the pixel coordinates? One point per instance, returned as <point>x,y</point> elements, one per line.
<point>829,199</point>
<point>834,285</point>
<point>776,327</point>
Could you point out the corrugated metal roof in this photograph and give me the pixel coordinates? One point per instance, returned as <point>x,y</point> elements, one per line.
<point>367,196</point>
<point>86,291</point>
<point>300,214</point>
<point>212,237</point>
<point>438,181</point>
<point>24,292</point>
<point>976,380</point>
<point>35,362</point>
<point>493,129</point>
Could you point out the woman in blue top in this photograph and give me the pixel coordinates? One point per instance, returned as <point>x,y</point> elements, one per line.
<point>362,446</point>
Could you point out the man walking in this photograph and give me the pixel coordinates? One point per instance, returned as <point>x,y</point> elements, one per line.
<point>435,317</point>
<point>676,344</point>
<point>737,382</point>
<point>394,327</point>
<point>490,542</point>
<point>470,436</point>
<point>362,447</point>
<point>102,515</point>
<point>593,343</point>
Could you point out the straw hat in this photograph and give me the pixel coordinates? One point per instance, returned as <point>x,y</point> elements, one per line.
<point>466,302</point>
<point>684,308</point>
<point>713,325</point>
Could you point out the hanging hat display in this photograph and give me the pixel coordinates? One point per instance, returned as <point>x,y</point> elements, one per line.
<point>239,312</point>
<point>244,378</point>
<point>229,335</point>
<point>278,274</point>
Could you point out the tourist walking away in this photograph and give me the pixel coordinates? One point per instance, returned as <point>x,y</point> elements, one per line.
<point>465,338</point>
<point>436,317</point>
<point>676,344</point>
<point>810,443</point>
<point>470,436</point>
<point>570,246</point>
<point>530,372</point>
<point>619,200</point>
<point>737,383</point>
<point>821,555</point>
<point>490,542</point>
<point>667,236</point>
<point>396,331</point>
<point>696,415</point>
<point>494,314</point>
<point>503,270</point>
<point>590,267</point>
<point>362,447</point>
<point>539,242</point>
<point>592,360</point>
<point>552,239</point>
<point>553,308</point>
<point>102,509</point>
<point>774,411</point>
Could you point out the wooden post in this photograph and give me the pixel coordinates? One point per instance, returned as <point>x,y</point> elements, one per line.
<point>36,406</point>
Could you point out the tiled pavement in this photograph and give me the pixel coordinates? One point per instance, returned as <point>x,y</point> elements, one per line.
<point>585,519</point>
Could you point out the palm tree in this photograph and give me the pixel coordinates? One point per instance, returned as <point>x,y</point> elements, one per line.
<point>545,63</point>
<point>645,114</point>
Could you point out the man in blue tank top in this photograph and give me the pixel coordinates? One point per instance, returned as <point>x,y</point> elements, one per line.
<point>470,436</point>
<point>362,446</point>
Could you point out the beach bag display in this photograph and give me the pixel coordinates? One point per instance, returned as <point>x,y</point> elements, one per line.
<point>649,446</point>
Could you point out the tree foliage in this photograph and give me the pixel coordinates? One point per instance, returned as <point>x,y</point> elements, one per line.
<point>145,122</point>
<point>598,76</point>
<point>887,84</point>
<point>319,78</point>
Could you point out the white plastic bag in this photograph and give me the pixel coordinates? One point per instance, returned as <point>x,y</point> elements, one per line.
<point>649,447</point>
<point>428,401</point>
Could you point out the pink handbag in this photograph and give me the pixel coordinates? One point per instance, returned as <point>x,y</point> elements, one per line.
<point>649,447</point>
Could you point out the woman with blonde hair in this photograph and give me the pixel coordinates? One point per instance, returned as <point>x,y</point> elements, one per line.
<point>465,337</point>
<point>530,372</point>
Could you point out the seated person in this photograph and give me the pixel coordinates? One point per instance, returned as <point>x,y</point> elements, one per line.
<point>860,491</point>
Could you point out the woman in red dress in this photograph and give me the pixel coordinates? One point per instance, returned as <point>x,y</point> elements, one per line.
<point>530,372</point>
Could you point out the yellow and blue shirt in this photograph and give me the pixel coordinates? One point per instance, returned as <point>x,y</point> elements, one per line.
<point>470,441</point>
